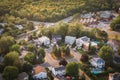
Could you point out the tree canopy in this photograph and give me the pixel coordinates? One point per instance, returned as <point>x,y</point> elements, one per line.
<point>106,53</point>
<point>72,69</point>
<point>11,59</point>
<point>10,73</point>
<point>5,43</point>
<point>115,24</point>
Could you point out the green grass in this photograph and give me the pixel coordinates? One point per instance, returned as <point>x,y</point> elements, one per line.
<point>80,51</point>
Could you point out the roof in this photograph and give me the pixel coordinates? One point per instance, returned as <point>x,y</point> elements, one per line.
<point>1,31</point>
<point>40,76</point>
<point>59,68</point>
<point>70,39</point>
<point>57,36</point>
<point>39,69</point>
<point>115,76</point>
<point>43,38</point>
<point>85,38</point>
<point>97,60</point>
<point>19,26</point>
<point>88,15</point>
<point>22,75</point>
<point>105,14</point>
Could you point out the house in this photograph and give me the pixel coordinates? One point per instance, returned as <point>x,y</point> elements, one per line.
<point>83,41</point>
<point>69,40</point>
<point>44,40</point>
<point>106,15</point>
<point>23,76</point>
<point>39,73</point>
<point>97,62</point>
<point>113,44</point>
<point>86,16</point>
<point>58,71</point>
<point>114,76</point>
<point>98,65</point>
<point>56,38</point>
<point>1,31</point>
<point>19,27</point>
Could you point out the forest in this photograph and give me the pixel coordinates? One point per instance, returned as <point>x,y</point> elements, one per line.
<point>18,11</point>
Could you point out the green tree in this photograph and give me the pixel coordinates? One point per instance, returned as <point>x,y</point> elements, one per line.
<point>27,67</point>
<point>106,53</point>
<point>30,26</point>
<point>11,59</point>
<point>10,73</point>
<point>115,24</point>
<point>30,57</point>
<point>56,51</point>
<point>41,52</point>
<point>84,58</point>
<point>5,43</point>
<point>62,29</point>
<point>67,52</point>
<point>15,47</point>
<point>63,62</point>
<point>31,47</point>
<point>72,69</point>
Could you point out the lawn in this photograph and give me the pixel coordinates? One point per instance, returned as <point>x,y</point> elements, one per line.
<point>81,51</point>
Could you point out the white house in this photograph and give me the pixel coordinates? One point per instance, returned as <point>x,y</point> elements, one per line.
<point>106,15</point>
<point>97,62</point>
<point>59,71</point>
<point>1,31</point>
<point>44,40</point>
<point>19,26</point>
<point>56,38</point>
<point>83,41</point>
<point>23,76</point>
<point>69,40</point>
<point>114,76</point>
<point>41,76</point>
<point>88,15</point>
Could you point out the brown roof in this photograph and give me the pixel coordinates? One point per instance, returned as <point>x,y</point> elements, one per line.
<point>39,69</point>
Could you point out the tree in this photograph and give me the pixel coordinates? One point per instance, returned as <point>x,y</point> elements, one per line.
<point>27,67</point>
<point>15,47</point>
<point>106,53</point>
<point>30,26</point>
<point>84,58</point>
<point>115,24</point>
<point>30,57</point>
<point>31,47</point>
<point>67,52</point>
<point>72,69</point>
<point>56,51</point>
<point>41,52</point>
<point>5,43</point>
<point>11,59</point>
<point>62,30</point>
<point>100,44</point>
<point>63,62</point>
<point>49,74</point>
<point>10,73</point>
